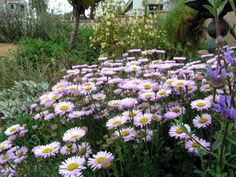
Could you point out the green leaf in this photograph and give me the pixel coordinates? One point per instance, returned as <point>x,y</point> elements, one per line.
<point>221,6</point>
<point>209,8</point>
<point>231,140</point>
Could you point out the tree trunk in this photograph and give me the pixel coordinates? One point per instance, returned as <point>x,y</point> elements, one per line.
<point>74,34</point>
<point>93,8</point>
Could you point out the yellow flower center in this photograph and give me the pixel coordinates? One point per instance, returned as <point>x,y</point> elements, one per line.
<point>83,151</point>
<point>59,87</point>
<point>101,113</point>
<point>181,83</point>
<point>13,129</point>
<point>87,88</point>
<point>75,137</point>
<point>87,84</point>
<point>132,115</point>
<point>99,98</point>
<point>169,82</point>
<point>162,92</point>
<point>5,157</point>
<point>72,166</point>
<point>2,147</point>
<point>68,149</point>
<point>195,145</point>
<point>20,154</point>
<point>154,110</point>
<point>125,133</point>
<point>116,104</point>
<point>143,120</point>
<point>148,95</point>
<point>116,122</point>
<point>176,110</point>
<point>100,159</point>
<point>134,68</point>
<point>203,120</point>
<point>155,62</point>
<point>47,150</point>
<point>64,108</point>
<point>87,108</point>
<point>207,86</point>
<point>73,88</point>
<point>189,88</point>
<point>201,104</point>
<point>147,87</point>
<point>55,97</point>
<point>179,131</point>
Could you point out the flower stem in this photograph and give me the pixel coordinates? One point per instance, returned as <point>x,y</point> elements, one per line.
<point>223,145</point>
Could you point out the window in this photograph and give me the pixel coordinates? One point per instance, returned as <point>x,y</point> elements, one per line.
<point>154,7</point>
<point>12,6</point>
<point>22,8</point>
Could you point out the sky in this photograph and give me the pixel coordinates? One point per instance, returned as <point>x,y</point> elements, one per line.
<point>60,6</point>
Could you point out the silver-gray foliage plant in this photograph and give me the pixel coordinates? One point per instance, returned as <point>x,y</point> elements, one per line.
<point>14,101</point>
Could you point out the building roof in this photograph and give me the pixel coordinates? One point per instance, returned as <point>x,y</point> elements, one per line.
<point>12,1</point>
<point>129,4</point>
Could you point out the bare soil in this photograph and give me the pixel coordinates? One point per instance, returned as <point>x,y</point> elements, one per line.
<point>5,48</point>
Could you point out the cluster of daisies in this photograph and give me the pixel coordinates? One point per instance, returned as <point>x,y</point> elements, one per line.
<point>132,96</point>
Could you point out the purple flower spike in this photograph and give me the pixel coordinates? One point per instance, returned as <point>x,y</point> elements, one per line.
<point>229,58</point>
<point>216,77</point>
<point>223,106</point>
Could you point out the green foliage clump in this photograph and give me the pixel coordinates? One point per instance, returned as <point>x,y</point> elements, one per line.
<point>15,25</point>
<point>44,60</point>
<point>183,28</point>
<point>115,34</point>
<point>14,101</point>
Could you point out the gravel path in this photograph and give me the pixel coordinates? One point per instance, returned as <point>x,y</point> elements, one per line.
<point>5,48</point>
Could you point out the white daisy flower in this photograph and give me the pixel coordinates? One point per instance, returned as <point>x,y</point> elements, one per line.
<point>202,121</point>
<point>88,87</point>
<point>5,158</point>
<point>101,160</point>
<point>128,134</point>
<point>84,149</point>
<point>162,93</point>
<point>146,86</point>
<point>7,172</point>
<point>116,122</point>
<point>72,167</point>
<point>73,134</point>
<point>144,135</point>
<point>115,104</point>
<point>69,149</point>
<point>147,96</point>
<point>63,108</point>
<point>20,154</point>
<point>178,132</point>
<point>5,145</point>
<point>131,114</point>
<point>193,145</point>
<point>129,102</point>
<point>12,130</point>
<point>45,151</point>
<point>200,104</point>
<point>143,120</point>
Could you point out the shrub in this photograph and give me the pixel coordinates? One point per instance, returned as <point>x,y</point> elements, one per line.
<point>44,60</point>
<point>15,101</point>
<point>116,33</point>
<point>15,25</point>
<point>183,28</point>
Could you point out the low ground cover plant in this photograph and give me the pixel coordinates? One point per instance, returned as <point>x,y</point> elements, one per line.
<point>137,116</point>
